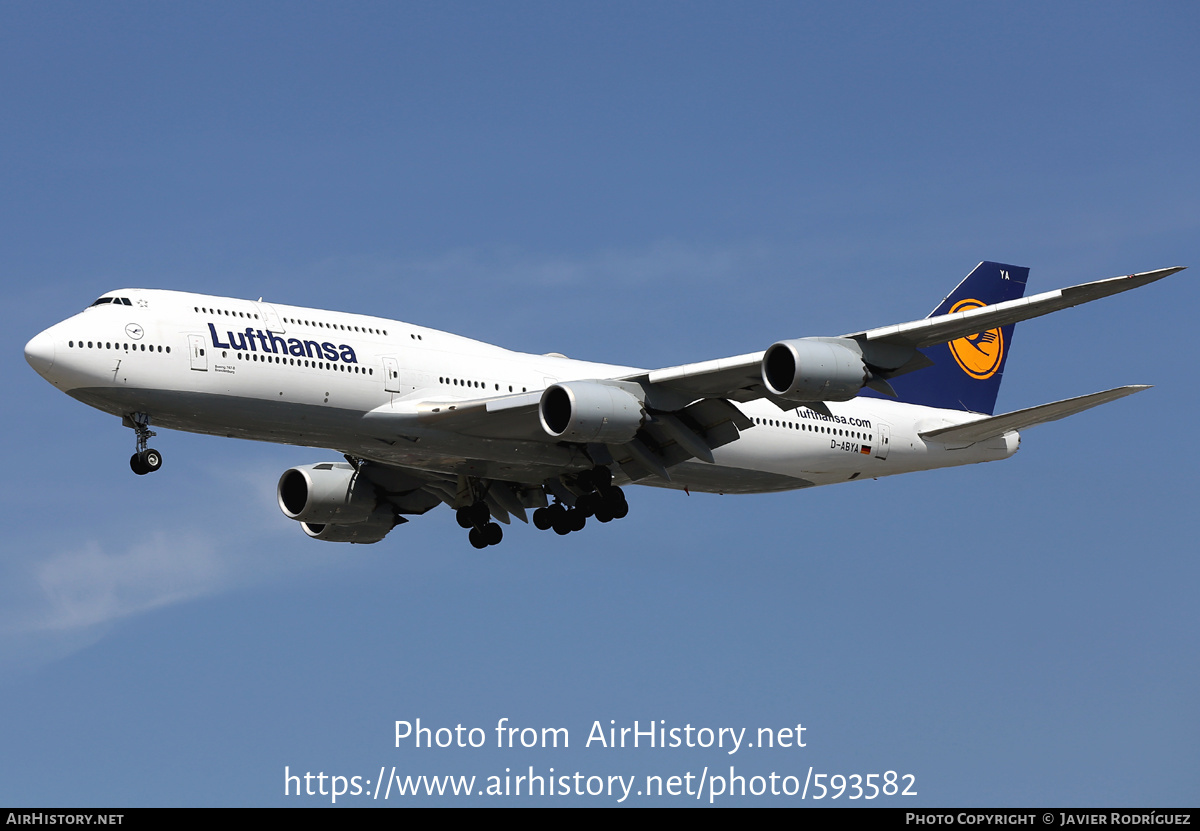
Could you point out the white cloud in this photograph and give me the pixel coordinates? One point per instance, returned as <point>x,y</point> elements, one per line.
<point>91,586</point>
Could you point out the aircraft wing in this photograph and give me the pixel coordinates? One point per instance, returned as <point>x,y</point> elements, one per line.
<point>889,350</point>
<point>502,416</point>
<point>738,378</point>
<point>413,491</point>
<point>681,431</point>
<point>945,328</point>
<point>683,412</point>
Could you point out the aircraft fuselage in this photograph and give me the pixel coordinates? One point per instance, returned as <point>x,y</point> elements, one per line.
<point>366,386</point>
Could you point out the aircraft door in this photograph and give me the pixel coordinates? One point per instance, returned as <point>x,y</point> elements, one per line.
<point>197,348</point>
<point>885,439</point>
<point>270,317</point>
<point>391,375</point>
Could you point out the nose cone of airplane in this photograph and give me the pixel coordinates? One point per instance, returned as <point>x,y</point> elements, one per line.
<point>39,352</point>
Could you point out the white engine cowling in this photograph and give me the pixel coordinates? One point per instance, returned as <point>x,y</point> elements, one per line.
<point>588,411</point>
<point>372,529</point>
<point>813,370</point>
<point>326,494</point>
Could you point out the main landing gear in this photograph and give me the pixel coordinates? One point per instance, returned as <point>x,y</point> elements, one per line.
<point>605,502</point>
<point>590,493</point>
<point>478,518</point>
<point>145,460</point>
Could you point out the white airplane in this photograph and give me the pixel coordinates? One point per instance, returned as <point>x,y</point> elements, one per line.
<point>423,417</point>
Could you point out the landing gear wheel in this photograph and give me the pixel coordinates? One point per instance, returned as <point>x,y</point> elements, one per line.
<point>553,516</point>
<point>147,461</point>
<point>477,539</point>
<point>152,459</point>
<point>615,501</point>
<point>577,519</point>
<point>492,533</point>
<point>463,517</point>
<point>588,503</point>
<point>598,477</point>
<point>480,514</point>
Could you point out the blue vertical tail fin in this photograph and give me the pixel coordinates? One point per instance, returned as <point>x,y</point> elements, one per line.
<point>966,373</point>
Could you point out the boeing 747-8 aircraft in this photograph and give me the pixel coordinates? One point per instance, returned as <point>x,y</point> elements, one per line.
<point>423,417</point>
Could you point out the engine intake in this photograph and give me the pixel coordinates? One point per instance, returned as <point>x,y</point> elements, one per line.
<point>326,493</point>
<point>813,370</point>
<point>588,411</point>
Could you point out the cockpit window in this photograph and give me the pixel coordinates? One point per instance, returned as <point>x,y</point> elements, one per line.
<point>102,301</point>
<point>120,301</point>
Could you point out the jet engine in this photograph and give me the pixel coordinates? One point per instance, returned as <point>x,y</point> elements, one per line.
<point>588,411</point>
<point>814,370</point>
<point>326,493</point>
<point>372,529</point>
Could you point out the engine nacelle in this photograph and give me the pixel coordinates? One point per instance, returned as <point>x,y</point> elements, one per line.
<point>588,411</point>
<point>813,370</point>
<point>372,529</point>
<point>326,494</point>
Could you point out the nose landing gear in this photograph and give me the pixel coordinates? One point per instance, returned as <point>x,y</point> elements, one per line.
<point>145,460</point>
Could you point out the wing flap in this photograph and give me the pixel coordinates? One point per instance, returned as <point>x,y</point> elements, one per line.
<point>986,428</point>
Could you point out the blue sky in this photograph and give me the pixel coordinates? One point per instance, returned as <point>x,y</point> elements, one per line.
<point>646,184</point>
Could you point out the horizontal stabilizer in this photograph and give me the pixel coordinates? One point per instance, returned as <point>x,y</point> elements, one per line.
<point>986,428</point>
